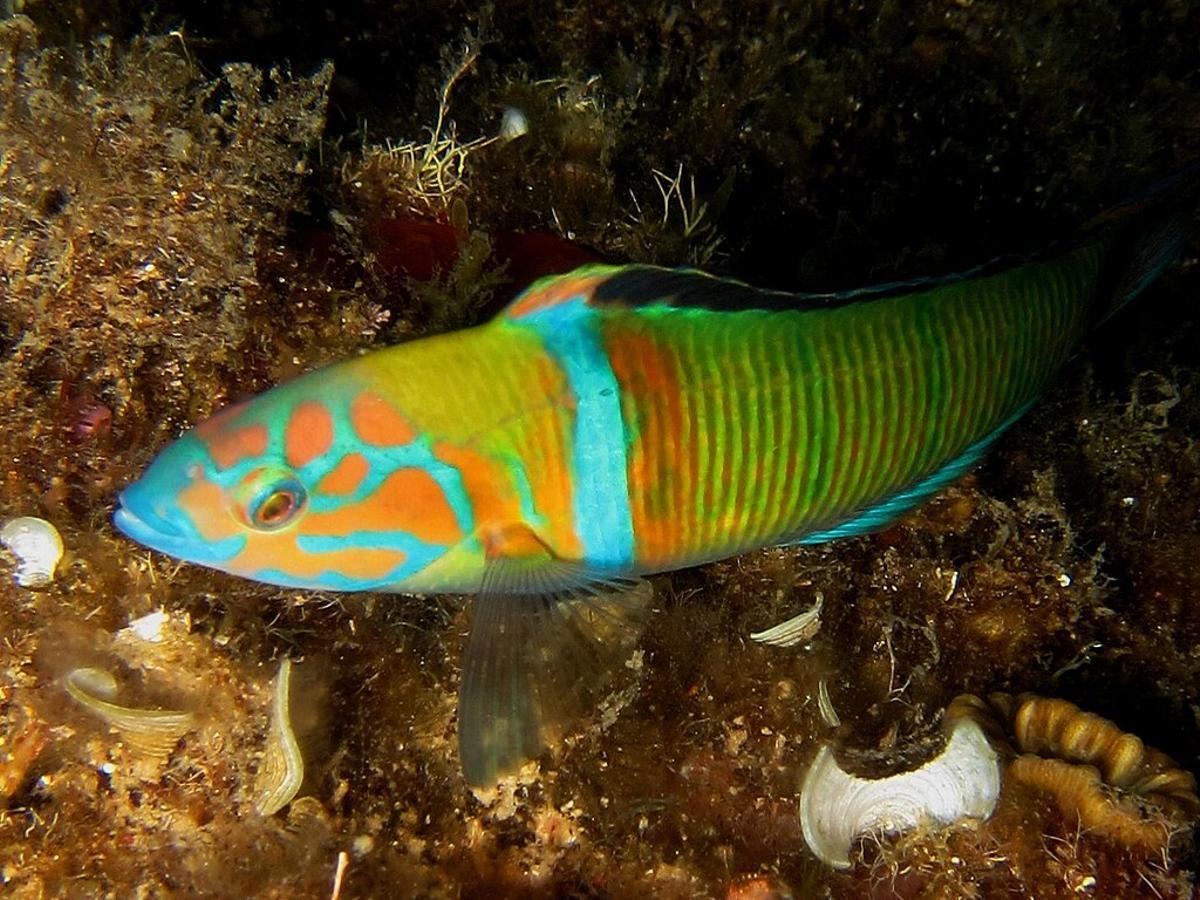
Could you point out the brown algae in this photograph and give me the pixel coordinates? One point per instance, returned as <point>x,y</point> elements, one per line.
<point>851,131</point>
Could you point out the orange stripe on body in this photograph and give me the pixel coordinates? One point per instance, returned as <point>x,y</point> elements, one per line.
<point>309,433</point>
<point>545,446</point>
<point>652,405</point>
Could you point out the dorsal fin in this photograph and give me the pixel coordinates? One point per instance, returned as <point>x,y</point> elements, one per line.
<point>692,289</point>
<point>557,290</point>
<point>631,286</point>
<point>1144,222</point>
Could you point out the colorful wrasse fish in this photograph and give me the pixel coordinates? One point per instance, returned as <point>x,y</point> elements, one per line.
<point>612,423</point>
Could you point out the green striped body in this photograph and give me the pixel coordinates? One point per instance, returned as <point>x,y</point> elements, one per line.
<point>754,428</point>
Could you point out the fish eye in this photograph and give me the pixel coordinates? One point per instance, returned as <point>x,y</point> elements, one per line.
<point>277,504</point>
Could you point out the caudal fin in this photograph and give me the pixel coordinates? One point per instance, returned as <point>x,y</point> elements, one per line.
<point>1151,230</point>
<point>1152,249</point>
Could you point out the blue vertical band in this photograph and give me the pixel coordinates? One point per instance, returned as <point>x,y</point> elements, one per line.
<point>603,522</point>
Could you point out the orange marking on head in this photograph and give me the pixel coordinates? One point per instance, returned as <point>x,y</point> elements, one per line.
<point>487,482</point>
<point>231,447</point>
<point>206,506</point>
<point>541,441</point>
<point>408,499</point>
<point>219,421</point>
<point>494,498</point>
<point>278,550</point>
<point>309,433</point>
<point>651,396</point>
<point>377,423</point>
<point>345,476</point>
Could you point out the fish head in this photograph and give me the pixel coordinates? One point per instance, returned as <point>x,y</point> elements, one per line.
<point>287,489</point>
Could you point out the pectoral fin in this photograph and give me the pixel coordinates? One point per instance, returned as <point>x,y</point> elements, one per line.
<point>546,637</point>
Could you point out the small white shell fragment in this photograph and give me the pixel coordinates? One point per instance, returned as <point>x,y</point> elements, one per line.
<point>282,770</point>
<point>149,627</point>
<point>825,705</point>
<point>796,630</point>
<point>962,782</point>
<point>513,124</point>
<point>37,546</point>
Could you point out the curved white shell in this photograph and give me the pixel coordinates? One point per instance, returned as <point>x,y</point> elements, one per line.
<point>282,770</point>
<point>960,783</point>
<point>154,732</point>
<point>37,546</point>
<point>796,630</point>
<point>513,124</point>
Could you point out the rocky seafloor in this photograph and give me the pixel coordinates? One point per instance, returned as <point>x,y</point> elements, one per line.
<point>198,203</point>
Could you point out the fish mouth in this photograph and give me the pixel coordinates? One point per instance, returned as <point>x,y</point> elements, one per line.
<point>136,518</point>
<point>140,522</point>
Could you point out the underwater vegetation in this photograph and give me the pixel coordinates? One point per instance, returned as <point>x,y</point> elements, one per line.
<point>190,213</point>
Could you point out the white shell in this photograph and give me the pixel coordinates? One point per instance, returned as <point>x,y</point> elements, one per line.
<point>37,546</point>
<point>962,782</point>
<point>825,705</point>
<point>796,630</point>
<point>282,770</point>
<point>154,732</point>
<point>150,627</point>
<point>513,124</point>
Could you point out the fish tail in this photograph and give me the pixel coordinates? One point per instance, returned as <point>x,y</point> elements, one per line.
<point>1150,251</point>
<point>1150,231</point>
<point>1167,191</point>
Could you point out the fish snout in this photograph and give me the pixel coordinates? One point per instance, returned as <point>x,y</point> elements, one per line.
<point>136,517</point>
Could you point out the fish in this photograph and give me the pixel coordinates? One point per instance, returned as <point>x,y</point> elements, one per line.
<point>613,423</point>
